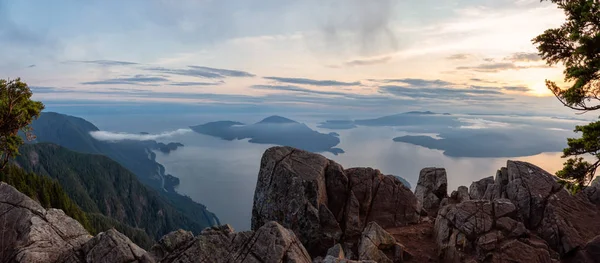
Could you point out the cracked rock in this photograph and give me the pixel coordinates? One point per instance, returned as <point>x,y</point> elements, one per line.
<point>31,234</point>
<point>323,203</point>
<point>431,189</point>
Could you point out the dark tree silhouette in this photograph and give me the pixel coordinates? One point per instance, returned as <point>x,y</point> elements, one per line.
<point>576,45</point>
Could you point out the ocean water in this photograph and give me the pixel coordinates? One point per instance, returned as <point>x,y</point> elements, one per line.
<point>222,174</point>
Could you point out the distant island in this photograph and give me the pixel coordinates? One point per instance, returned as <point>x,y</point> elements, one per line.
<point>275,130</point>
<point>167,148</point>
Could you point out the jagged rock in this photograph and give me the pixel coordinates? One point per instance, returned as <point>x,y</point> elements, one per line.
<point>478,188</point>
<point>170,242</point>
<point>565,221</point>
<point>592,192</point>
<point>590,253</point>
<point>321,202</point>
<point>271,243</point>
<point>378,245</point>
<point>31,234</point>
<point>107,247</point>
<point>331,259</point>
<point>431,188</point>
<point>486,231</point>
<point>336,251</point>
<point>460,195</point>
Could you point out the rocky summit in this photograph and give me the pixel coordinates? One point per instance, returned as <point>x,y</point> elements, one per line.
<point>310,209</point>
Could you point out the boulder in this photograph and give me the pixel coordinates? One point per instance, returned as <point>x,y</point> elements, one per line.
<point>564,221</point>
<point>478,188</point>
<point>431,189</point>
<point>380,246</point>
<point>460,195</point>
<point>323,203</point>
<point>33,234</point>
<point>170,242</point>
<point>486,231</point>
<point>270,243</point>
<point>590,253</point>
<point>107,247</point>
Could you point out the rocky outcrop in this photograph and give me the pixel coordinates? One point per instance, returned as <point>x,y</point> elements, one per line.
<point>323,203</point>
<point>431,189</point>
<point>487,231</point>
<point>109,246</point>
<point>378,245</point>
<point>270,243</point>
<point>29,233</point>
<point>547,221</point>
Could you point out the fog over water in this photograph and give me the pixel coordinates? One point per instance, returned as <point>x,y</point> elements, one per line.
<point>222,174</point>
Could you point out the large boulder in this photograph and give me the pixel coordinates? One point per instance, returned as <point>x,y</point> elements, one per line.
<point>431,189</point>
<point>380,246</point>
<point>107,247</point>
<point>565,221</point>
<point>478,188</point>
<point>29,233</point>
<point>271,243</point>
<point>487,231</point>
<point>323,203</point>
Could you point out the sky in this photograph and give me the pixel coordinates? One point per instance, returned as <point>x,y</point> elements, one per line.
<point>315,55</point>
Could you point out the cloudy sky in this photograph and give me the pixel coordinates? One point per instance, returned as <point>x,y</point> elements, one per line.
<point>454,55</point>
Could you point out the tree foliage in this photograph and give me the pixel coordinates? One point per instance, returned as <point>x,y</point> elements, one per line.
<point>17,111</point>
<point>576,45</point>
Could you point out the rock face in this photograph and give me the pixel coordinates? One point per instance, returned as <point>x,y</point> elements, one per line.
<point>431,189</point>
<point>547,221</point>
<point>270,243</point>
<point>323,203</point>
<point>378,245</point>
<point>487,231</point>
<point>30,233</point>
<point>109,246</point>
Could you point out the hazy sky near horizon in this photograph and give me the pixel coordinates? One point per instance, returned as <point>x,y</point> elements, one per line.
<point>455,55</point>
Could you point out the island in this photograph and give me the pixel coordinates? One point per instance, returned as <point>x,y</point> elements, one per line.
<point>275,130</point>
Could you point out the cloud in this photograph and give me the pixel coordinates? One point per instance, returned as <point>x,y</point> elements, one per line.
<point>224,72</point>
<point>499,66</point>
<point>360,26</point>
<point>31,66</point>
<point>117,136</point>
<point>104,62</point>
<point>417,82</point>
<point>368,61</point>
<point>138,79</point>
<point>191,83</point>
<point>460,56</point>
<point>516,88</point>
<point>297,89</point>
<point>483,80</point>
<point>523,57</point>
<point>482,124</point>
<point>312,82</point>
<point>482,94</point>
<point>202,72</point>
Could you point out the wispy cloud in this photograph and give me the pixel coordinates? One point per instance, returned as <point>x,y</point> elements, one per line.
<point>224,72</point>
<point>297,89</point>
<point>303,81</point>
<point>483,80</point>
<point>192,83</point>
<point>523,57</point>
<point>138,79</point>
<point>481,124</point>
<point>444,93</point>
<point>368,61</point>
<point>104,62</point>
<point>417,82</point>
<point>201,72</point>
<point>460,56</point>
<point>516,88</point>
<point>499,66</point>
<point>117,136</point>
